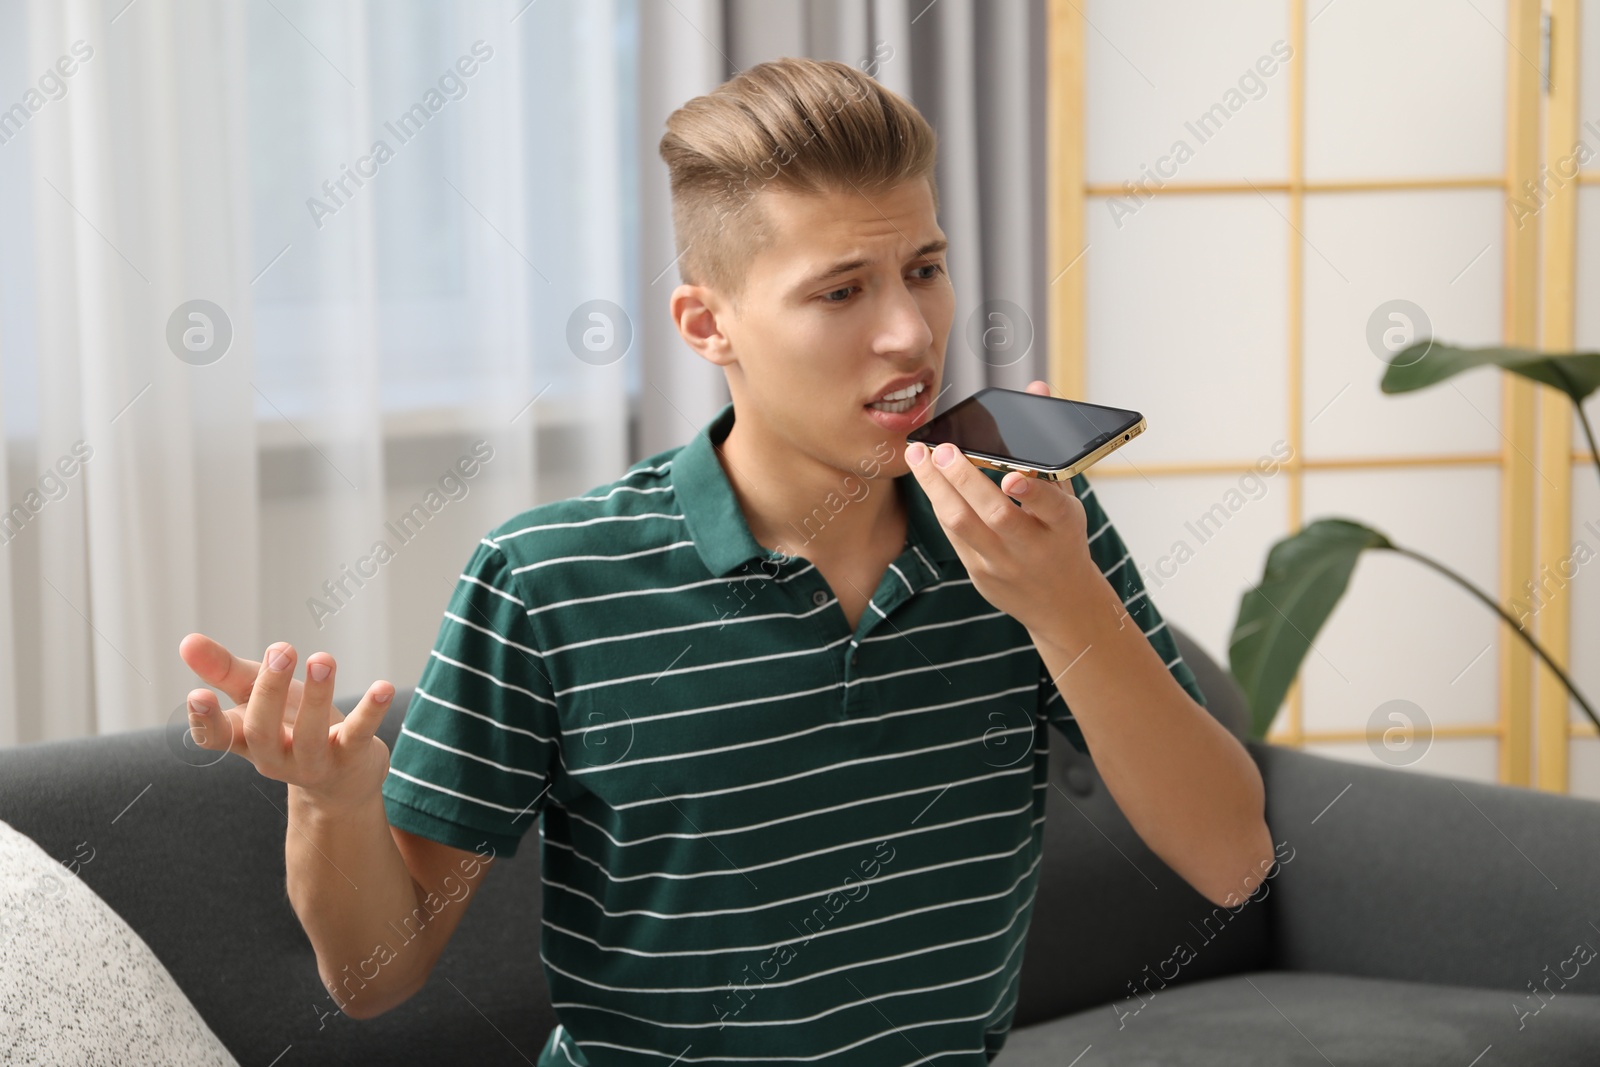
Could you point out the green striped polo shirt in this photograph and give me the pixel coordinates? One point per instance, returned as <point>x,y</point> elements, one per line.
<point>764,837</point>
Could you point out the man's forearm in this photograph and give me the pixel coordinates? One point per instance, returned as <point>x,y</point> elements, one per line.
<point>1187,786</point>
<point>358,902</point>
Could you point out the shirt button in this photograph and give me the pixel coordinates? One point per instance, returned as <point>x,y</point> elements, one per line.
<point>819,598</point>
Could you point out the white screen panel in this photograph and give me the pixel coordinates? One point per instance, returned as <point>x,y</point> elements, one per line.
<point>1586,284</point>
<point>1583,768</point>
<point>1473,758</point>
<point>1186,323</point>
<point>1178,92</point>
<point>1589,80</point>
<point>1578,574</point>
<point>1405,90</point>
<point>1402,630</point>
<point>1438,250</point>
<point>1199,541</point>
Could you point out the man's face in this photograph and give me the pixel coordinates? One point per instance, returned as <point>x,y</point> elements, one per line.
<point>852,297</point>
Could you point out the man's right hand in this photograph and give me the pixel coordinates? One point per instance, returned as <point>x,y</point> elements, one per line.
<point>289,729</point>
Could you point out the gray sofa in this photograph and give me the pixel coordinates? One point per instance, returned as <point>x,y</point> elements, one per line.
<point>1412,922</point>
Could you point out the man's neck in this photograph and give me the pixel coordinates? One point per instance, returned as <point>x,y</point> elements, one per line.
<point>787,503</point>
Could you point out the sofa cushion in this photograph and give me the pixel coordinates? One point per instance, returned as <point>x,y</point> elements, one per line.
<point>195,863</point>
<point>1287,1018</point>
<point>77,985</point>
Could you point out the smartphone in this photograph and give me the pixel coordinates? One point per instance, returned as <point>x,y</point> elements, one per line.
<point>1041,436</point>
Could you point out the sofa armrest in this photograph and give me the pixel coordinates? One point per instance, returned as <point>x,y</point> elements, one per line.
<point>1414,876</point>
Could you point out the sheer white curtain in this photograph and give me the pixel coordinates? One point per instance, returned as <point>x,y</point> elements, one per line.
<point>437,239</point>
<point>391,213</point>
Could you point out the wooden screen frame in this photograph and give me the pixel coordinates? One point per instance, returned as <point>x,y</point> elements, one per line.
<point>1533,418</point>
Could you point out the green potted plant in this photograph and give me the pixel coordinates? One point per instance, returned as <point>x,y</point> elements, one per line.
<point>1307,572</point>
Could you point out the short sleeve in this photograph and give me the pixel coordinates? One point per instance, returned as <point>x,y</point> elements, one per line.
<point>1117,564</point>
<point>479,750</point>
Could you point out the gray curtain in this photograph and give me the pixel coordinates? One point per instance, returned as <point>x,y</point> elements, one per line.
<point>974,68</point>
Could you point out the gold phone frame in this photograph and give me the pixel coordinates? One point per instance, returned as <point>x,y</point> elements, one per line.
<point>1061,474</point>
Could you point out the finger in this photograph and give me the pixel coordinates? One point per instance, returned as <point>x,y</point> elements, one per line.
<point>263,717</point>
<point>1040,387</point>
<point>316,703</point>
<point>365,718</point>
<point>217,666</point>
<point>212,727</point>
<point>1041,498</point>
<point>335,716</point>
<point>956,500</point>
<point>981,494</point>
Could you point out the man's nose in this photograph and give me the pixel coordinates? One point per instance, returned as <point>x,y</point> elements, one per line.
<point>904,327</point>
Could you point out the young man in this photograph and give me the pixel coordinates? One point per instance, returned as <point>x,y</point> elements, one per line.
<point>779,698</point>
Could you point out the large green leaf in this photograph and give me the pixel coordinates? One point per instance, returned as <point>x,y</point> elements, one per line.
<point>1429,362</point>
<point>1306,574</point>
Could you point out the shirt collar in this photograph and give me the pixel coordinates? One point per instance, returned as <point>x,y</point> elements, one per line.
<point>717,524</point>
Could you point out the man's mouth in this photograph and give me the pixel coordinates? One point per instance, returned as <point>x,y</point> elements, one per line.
<point>901,400</point>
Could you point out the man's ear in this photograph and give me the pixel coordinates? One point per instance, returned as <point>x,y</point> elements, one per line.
<point>698,313</point>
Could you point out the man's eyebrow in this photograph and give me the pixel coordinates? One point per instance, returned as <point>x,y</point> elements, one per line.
<point>849,265</point>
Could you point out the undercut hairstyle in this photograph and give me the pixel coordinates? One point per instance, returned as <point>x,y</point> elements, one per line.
<point>802,125</point>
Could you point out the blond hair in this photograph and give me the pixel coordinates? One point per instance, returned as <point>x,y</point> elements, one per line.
<point>802,125</point>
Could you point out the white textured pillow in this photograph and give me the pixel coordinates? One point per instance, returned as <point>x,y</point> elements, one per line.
<point>77,985</point>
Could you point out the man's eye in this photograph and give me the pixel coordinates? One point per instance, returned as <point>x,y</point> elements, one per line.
<point>844,293</point>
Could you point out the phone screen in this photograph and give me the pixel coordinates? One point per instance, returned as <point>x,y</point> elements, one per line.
<point>1040,431</point>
